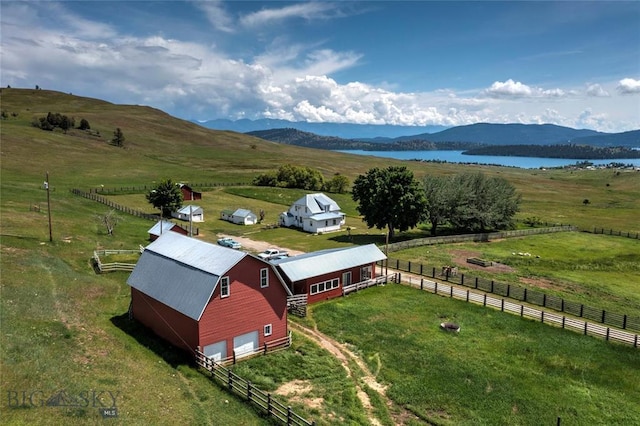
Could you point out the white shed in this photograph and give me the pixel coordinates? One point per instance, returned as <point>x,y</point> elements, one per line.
<point>239,216</point>
<point>189,213</point>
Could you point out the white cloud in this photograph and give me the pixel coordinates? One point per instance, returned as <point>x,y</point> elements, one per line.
<point>597,90</point>
<point>217,15</point>
<point>310,10</point>
<point>628,86</point>
<point>508,88</point>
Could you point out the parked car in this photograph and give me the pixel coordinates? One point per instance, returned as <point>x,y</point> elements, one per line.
<point>272,254</point>
<point>229,242</point>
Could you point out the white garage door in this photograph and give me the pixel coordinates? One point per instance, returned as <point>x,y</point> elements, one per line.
<point>245,344</point>
<point>216,351</point>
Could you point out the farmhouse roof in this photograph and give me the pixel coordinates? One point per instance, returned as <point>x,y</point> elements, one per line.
<point>182,272</point>
<point>325,261</point>
<point>318,203</point>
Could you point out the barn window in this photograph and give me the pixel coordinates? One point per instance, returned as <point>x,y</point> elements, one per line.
<point>267,330</point>
<point>365,273</point>
<point>224,287</point>
<point>264,277</point>
<point>325,286</point>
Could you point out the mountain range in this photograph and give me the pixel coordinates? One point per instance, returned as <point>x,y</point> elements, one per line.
<point>425,137</point>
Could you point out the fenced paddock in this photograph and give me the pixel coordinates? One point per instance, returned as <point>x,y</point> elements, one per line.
<point>245,389</point>
<point>112,266</point>
<point>584,327</point>
<point>522,294</point>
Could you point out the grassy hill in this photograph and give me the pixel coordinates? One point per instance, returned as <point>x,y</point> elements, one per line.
<point>65,328</point>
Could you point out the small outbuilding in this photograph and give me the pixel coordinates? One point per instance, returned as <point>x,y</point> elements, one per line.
<point>188,194</point>
<point>162,227</point>
<point>200,296</point>
<point>323,274</point>
<point>189,214</point>
<point>239,216</point>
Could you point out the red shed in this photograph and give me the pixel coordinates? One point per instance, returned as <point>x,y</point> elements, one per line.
<point>189,194</point>
<point>322,274</point>
<point>165,226</point>
<point>197,295</point>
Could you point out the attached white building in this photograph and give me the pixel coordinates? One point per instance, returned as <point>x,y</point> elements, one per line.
<point>314,213</point>
<point>189,213</point>
<point>239,216</point>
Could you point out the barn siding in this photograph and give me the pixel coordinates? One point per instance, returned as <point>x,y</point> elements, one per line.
<point>247,308</point>
<point>182,331</point>
<point>304,286</point>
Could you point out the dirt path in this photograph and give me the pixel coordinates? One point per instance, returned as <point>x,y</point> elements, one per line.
<point>363,376</point>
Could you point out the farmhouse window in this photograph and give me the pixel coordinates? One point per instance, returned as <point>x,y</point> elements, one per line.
<point>325,286</point>
<point>224,287</point>
<point>346,278</point>
<point>264,277</point>
<point>267,330</point>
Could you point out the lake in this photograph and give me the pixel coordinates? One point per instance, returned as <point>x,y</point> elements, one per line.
<point>459,157</point>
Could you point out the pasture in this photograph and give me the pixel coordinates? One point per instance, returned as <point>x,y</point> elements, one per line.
<point>64,328</point>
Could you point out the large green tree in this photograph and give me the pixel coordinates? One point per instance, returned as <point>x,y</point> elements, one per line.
<point>438,191</point>
<point>389,198</point>
<point>478,203</point>
<point>167,197</point>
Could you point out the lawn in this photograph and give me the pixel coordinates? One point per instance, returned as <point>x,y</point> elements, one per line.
<point>499,369</point>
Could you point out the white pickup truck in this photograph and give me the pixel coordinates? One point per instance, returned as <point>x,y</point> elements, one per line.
<point>272,253</point>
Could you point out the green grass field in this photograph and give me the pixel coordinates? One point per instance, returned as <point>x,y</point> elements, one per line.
<point>499,369</point>
<point>64,328</point>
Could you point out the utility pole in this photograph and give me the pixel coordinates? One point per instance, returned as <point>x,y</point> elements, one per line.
<point>47,186</point>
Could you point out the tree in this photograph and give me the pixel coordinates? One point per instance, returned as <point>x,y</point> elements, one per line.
<point>478,203</point>
<point>389,198</point>
<point>118,138</point>
<point>437,191</point>
<point>84,125</point>
<point>110,219</point>
<point>338,184</point>
<point>167,197</point>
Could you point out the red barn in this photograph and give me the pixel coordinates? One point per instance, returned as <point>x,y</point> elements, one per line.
<point>189,194</point>
<point>165,226</point>
<point>322,274</point>
<point>225,303</point>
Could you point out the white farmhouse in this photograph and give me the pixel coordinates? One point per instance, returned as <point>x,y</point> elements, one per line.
<point>314,213</point>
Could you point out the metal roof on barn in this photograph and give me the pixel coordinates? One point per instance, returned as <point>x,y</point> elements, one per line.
<point>161,227</point>
<point>322,262</point>
<point>182,272</point>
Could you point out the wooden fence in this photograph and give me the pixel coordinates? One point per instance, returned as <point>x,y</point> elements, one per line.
<point>125,209</point>
<point>584,327</point>
<point>245,389</point>
<point>521,294</point>
<point>145,188</point>
<point>297,304</point>
<point>627,234</point>
<point>487,236</point>
<point>113,266</point>
<point>382,279</point>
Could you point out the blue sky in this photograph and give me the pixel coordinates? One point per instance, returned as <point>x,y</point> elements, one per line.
<point>570,63</point>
